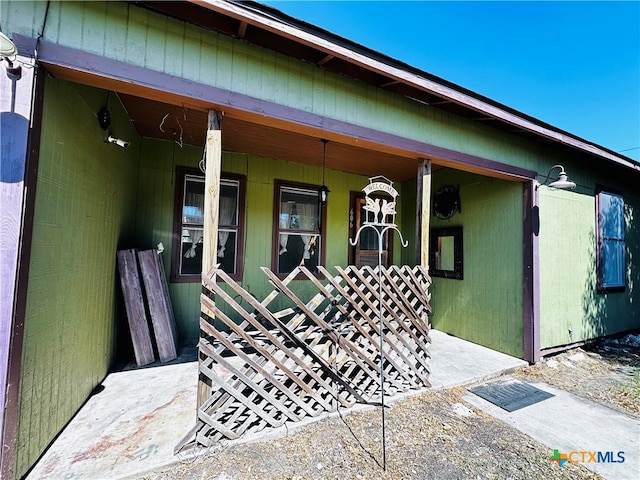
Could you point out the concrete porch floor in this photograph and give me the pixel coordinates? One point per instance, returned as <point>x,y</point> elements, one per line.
<point>134,422</point>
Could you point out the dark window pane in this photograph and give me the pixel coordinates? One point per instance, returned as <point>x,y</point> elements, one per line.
<point>227,248</point>
<point>611,245</point>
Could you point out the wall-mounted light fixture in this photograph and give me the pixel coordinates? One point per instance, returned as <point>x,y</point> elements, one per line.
<point>7,47</point>
<point>104,120</point>
<point>117,141</point>
<point>323,191</point>
<point>8,52</point>
<point>562,183</point>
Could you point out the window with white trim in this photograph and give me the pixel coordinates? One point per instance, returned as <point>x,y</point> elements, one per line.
<point>611,257</point>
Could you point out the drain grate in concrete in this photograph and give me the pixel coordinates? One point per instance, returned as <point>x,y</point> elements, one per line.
<point>510,395</point>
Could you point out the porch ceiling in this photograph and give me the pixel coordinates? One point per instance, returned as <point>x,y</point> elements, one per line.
<point>188,125</point>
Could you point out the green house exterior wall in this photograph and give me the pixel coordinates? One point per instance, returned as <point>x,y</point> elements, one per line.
<point>571,308</point>
<point>85,192</point>
<point>486,306</point>
<point>93,198</point>
<point>131,34</point>
<point>154,217</point>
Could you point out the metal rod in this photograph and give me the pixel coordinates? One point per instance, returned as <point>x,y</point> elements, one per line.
<point>380,227</point>
<point>13,95</point>
<point>384,441</point>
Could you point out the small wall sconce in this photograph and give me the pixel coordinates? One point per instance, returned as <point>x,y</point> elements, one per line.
<point>323,191</point>
<point>117,141</point>
<point>562,183</point>
<point>104,120</point>
<point>7,47</point>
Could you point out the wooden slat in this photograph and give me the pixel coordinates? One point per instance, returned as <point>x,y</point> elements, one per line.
<point>159,302</point>
<point>361,360</point>
<point>317,354</point>
<point>424,211</point>
<point>374,343</point>
<point>134,303</point>
<point>275,341</point>
<point>389,336</point>
<point>290,336</point>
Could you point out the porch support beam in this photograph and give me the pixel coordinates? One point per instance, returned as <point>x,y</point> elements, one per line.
<point>531,280</point>
<point>213,168</point>
<point>21,117</point>
<point>423,213</point>
<point>71,64</point>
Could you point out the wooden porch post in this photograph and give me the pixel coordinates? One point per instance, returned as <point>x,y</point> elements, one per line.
<point>423,213</point>
<point>213,167</point>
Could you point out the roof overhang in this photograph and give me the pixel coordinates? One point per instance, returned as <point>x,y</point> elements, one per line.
<point>273,29</point>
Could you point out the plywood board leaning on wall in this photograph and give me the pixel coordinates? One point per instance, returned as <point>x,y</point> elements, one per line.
<point>134,303</point>
<point>159,302</point>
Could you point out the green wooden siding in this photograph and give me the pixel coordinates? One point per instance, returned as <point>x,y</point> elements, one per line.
<point>154,217</point>
<point>128,33</point>
<point>93,198</point>
<point>486,306</point>
<point>571,309</point>
<point>83,211</point>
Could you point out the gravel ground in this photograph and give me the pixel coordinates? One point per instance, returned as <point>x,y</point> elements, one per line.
<point>434,435</point>
<point>608,374</point>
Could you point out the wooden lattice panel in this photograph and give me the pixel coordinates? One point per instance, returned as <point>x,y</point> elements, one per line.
<point>313,356</point>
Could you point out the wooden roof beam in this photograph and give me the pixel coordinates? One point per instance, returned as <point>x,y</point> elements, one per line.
<point>388,84</point>
<point>242,29</point>
<point>326,59</point>
<point>465,98</point>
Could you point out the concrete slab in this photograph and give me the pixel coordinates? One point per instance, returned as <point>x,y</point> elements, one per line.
<point>134,423</point>
<point>458,362</point>
<point>131,426</point>
<point>572,425</point>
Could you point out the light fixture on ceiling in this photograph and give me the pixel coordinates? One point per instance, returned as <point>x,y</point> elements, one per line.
<point>562,183</point>
<point>323,191</point>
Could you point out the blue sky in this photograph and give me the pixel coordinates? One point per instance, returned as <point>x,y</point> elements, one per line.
<point>574,65</point>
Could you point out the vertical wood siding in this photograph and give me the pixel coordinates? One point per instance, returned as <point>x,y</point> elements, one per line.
<point>128,33</point>
<point>83,211</point>
<point>486,306</point>
<point>154,216</point>
<point>87,191</point>
<point>571,309</point>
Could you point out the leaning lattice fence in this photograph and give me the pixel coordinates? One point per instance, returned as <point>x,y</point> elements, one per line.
<point>314,356</point>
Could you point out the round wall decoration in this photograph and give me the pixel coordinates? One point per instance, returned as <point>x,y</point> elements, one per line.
<point>446,201</point>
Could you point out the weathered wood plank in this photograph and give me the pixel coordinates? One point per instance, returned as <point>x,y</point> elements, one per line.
<point>283,328</point>
<point>270,356</point>
<point>213,167</point>
<point>134,303</point>
<point>317,353</point>
<point>159,302</point>
<point>424,211</point>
